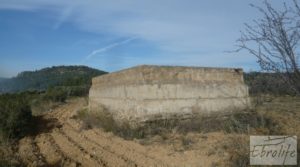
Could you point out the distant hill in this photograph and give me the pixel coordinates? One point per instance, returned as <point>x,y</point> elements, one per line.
<point>2,79</point>
<point>47,77</point>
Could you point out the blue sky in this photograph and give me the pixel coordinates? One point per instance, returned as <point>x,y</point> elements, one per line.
<point>112,35</point>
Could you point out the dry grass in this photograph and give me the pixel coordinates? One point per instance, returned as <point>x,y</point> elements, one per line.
<point>271,116</point>
<point>281,116</point>
<point>103,119</point>
<point>241,123</point>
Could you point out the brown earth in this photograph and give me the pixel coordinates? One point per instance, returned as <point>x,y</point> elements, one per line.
<point>61,140</point>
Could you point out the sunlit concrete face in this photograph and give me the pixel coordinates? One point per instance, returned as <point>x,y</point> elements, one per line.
<point>144,93</point>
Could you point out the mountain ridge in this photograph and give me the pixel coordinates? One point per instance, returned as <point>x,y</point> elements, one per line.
<point>50,76</point>
<point>3,79</point>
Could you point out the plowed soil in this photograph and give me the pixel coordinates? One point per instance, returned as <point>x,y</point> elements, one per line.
<point>62,142</point>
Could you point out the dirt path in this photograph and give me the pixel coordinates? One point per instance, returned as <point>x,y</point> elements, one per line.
<point>62,142</point>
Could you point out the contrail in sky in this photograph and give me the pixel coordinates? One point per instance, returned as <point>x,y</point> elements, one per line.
<point>109,47</point>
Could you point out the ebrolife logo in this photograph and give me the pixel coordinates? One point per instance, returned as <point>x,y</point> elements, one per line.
<point>273,150</point>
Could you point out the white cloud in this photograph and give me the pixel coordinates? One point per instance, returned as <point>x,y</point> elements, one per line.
<point>173,24</point>
<point>186,28</point>
<point>109,47</point>
<point>66,13</point>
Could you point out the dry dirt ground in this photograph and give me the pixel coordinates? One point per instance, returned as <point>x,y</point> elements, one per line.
<point>61,141</point>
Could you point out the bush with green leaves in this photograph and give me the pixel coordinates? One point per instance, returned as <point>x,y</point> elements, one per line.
<point>56,94</point>
<point>78,90</point>
<point>15,116</point>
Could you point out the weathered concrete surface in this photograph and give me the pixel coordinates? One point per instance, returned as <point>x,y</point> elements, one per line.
<point>146,92</point>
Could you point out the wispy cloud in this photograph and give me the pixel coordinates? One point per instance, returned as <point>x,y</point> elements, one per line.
<point>109,47</point>
<point>63,17</point>
<point>175,27</point>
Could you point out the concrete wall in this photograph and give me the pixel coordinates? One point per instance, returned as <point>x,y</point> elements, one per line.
<point>144,93</point>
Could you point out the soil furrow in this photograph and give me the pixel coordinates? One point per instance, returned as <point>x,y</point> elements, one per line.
<point>136,150</point>
<point>138,156</point>
<point>69,145</point>
<point>82,149</point>
<point>105,152</point>
<point>91,149</point>
<point>53,156</point>
<point>29,153</point>
<point>64,158</point>
<point>37,152</point>
<point>73,151</point>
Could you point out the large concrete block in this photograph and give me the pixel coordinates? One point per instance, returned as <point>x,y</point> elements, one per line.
<point>146,92</point>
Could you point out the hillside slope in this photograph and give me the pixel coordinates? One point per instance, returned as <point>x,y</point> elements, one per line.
<point>51,76</point>
<point>2,79</point>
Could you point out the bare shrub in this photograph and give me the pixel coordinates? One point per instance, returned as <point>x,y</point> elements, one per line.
<point>233,123</point>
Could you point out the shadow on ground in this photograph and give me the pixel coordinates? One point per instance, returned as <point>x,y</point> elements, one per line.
<point>44,125</point>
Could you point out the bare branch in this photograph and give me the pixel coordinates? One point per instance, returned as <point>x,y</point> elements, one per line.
<point>273,40</point>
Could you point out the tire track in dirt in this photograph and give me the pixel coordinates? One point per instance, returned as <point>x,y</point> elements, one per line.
<point>71,149</point>
<point>112,158</point>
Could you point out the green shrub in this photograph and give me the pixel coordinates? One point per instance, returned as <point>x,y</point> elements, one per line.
<point>15,116</point>
<point>78,90</point>
<point>56,94</point>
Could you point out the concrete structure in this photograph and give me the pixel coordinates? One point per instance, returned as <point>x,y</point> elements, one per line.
<point>145,92</point>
